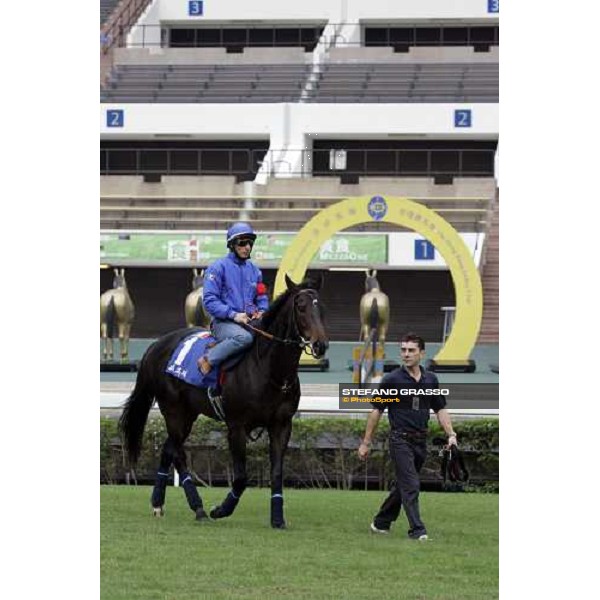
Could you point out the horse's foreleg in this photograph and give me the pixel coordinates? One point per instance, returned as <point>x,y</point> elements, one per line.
<point>160,485</point>
<point>191,493</point>
<point>279,436</point>
<point>237,447</point>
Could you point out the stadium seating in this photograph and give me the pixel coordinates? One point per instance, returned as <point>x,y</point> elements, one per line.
<point>205,83</point>
<point>407,82</point>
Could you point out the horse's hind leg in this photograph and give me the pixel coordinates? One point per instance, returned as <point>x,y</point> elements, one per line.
<point>106,342</point>
<point>124,330</point>
<point>237,447</point>
<point>191,493</point>
<point>160,485</point>
<point>179,426</point>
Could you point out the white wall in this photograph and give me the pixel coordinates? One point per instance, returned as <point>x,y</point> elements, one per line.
<point>319,10</point>
<point>142,36</point>
<point>315,120</point>
<point>338,10</point>
<point>230,120</point>
<point>401,251</point>
<point>418,9</point>
<point>231,10</point>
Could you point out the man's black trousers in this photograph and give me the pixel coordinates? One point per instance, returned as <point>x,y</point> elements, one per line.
<point>408,455</point>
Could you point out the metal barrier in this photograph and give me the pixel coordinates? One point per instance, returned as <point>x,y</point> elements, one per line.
<point>120,23</point>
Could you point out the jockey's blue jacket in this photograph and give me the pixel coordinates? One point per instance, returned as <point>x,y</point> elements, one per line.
<point>230,287</point>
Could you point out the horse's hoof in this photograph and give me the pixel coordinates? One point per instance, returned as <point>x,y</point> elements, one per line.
<point>201,515</point>
<point>158,512</point>
<point>281,525</point>
<point>216,512</point>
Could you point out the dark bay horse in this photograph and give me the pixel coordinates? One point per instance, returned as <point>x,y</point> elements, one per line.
<point>262,390</point>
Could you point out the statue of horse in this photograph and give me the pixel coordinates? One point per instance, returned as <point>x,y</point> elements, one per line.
<point>261,391</point>
<point>374,309</point>
<point>116,308</point>
<point>195,313</point>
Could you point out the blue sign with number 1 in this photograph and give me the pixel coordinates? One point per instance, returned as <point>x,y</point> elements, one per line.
<point>424,250</point>
<point>195,8</point>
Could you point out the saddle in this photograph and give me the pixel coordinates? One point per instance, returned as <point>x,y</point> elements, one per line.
<point>182,364</point>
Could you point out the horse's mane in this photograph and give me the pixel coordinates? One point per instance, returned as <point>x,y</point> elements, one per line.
<point>271,314</point>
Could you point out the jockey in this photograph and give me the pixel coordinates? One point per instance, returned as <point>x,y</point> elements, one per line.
<point>234,294</point>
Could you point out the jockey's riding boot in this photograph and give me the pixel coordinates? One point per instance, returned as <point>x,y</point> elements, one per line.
<point>204,366</point>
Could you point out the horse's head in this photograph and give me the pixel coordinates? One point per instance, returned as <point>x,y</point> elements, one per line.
<point>198,279</point>
<point>119,279</point>
<point>308,314</point>
<point>371,282</point>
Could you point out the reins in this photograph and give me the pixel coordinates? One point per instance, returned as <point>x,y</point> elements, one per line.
<point>305,345</point>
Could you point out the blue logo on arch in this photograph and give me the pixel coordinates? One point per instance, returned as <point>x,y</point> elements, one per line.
<point>377,208</point>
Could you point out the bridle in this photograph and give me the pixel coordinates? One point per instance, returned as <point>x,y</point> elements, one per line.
<point>301,342</point>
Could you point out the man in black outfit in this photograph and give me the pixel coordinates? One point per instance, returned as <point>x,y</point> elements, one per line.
<point>408,433</point>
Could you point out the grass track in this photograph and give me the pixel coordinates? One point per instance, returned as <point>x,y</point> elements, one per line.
<point>327,552</point>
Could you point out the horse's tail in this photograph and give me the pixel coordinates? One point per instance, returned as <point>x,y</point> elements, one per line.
<point>135,414</point>
<point>373,315</point>
<point>110,318</point>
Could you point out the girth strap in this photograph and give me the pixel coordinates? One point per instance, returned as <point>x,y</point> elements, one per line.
<point>217,405</point>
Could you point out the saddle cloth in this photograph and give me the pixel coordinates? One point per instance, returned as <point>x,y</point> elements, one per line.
<point>183,362</point>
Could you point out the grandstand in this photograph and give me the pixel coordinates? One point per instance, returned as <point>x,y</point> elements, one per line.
<point>270,113</point>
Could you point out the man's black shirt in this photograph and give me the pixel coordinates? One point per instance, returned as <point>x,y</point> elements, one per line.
<point>405,420</point>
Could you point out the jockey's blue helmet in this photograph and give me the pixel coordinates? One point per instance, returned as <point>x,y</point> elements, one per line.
<point>238,230</point>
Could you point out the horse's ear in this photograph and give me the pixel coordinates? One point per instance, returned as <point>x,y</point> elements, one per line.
<point>374,273</point>
<point>202,273</point>
<point>319,282</point>
<point>122,272</point>
<point>289,283</point>
<point>316,281</point>
<point>195,272</point>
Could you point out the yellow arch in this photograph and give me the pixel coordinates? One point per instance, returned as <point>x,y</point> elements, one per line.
<point>409,214</point>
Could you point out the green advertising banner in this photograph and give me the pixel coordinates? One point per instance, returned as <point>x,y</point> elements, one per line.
<point>173,248</point>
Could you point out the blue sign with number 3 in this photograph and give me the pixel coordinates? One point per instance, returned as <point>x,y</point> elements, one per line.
<point>424,250</point>
<point>115,118</point>
<point>493,6</point>
<point>195,8</point>
<point>462,118</point>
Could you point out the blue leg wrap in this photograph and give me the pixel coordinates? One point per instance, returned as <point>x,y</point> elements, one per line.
<point>277,519</point>
<point>159,491</point>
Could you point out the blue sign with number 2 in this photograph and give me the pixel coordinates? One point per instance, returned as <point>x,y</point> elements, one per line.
<point>115,118</point>
<point>462,118</point>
